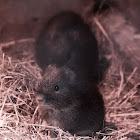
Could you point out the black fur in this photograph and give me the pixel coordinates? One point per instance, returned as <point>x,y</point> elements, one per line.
<point>67,40</point>
<point>75,106</point>
<point>67,53</point>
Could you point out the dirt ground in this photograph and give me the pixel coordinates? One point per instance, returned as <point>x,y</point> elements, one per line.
<point>118,34</point>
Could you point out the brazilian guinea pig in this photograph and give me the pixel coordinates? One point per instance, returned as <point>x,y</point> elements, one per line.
<point>67,40</point>
<point>72,105</point>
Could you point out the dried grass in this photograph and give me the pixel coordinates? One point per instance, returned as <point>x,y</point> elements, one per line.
<point>19,118</point>
<point>19,110</point>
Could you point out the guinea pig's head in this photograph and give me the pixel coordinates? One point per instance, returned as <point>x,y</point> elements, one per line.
<point>58,88</point>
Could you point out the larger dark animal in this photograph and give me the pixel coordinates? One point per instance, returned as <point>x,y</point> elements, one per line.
<point>67,40</point>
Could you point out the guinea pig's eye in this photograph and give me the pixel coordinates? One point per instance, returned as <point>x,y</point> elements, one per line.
<point>56,88</point>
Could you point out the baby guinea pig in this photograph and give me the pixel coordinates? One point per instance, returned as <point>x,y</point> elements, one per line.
<point>74,106</point>
<point>67,40</point>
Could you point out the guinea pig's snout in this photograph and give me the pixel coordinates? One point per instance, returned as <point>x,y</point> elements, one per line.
<point>39,94</point>
<point>40,98</point>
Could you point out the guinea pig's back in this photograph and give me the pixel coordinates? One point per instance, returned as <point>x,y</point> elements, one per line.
<point>66,39</point>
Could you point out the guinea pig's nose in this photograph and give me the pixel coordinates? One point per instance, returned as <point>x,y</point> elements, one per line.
<point>39,98</point>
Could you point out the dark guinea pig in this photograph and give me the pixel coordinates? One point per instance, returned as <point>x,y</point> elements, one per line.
<point>67,40</point>
<point>74,106</point>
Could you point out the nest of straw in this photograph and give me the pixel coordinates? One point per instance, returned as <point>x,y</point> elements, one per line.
<point>19,116</point>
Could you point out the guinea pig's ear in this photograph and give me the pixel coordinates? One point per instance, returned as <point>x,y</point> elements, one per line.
<point>50,68</point>
<point>70,75</point>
